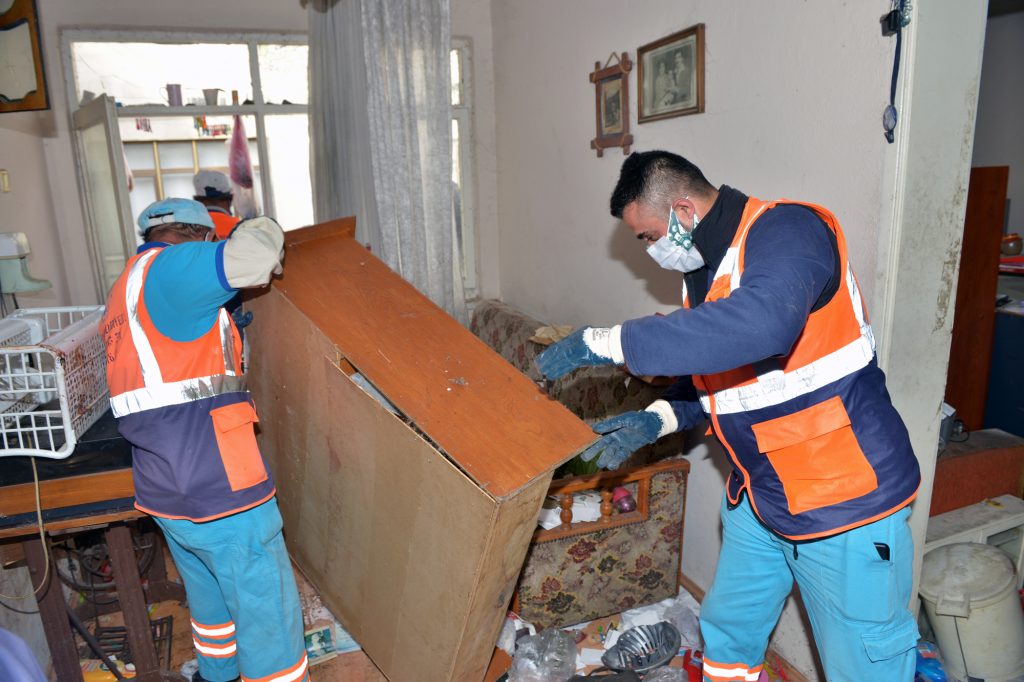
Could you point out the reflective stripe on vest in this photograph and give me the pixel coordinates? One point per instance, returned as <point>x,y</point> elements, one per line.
<point>156,392</point>
<point>773,385</point>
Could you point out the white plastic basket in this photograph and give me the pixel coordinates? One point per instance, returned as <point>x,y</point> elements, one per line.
<point>55,356</point>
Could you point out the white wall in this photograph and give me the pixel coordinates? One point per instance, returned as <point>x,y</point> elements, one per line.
<point>794,95</point>
<point>998,138</point>
<point>28,206</point>
<point>786,116</point>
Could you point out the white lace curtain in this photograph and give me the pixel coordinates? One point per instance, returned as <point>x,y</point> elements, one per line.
<point>380,124</point>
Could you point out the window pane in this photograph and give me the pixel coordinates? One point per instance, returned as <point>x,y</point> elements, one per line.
<point>456,171</point>
<point>456,185</point>
<point>178,185</point>
<point>176,156</point>
<point>213,154</point>
<point>140,156</point>
<point>456,68</point>
<point>142,195</point>
<point>134,73</point>
<point>99,177</point>
<point>283,74</point>
<point>288,147</point>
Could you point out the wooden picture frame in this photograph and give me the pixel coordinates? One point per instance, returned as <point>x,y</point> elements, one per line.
<point>611,104</point>
<point>670,80</point>
<point>22,78</point>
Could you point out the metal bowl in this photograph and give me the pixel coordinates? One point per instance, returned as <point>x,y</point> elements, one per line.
<point>643,648</point>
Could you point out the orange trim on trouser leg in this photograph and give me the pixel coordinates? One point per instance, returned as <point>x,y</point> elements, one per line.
<point>295,673</point>
<point>730,672</point>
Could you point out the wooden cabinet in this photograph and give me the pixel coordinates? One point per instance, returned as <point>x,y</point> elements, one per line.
<point>410,459</point>
<point>974,317</point>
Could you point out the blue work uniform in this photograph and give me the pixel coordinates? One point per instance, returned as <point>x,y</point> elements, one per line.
<point>823,470</point>
<point>178,391</point>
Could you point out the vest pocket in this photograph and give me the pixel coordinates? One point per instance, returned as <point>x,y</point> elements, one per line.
<point>816,456</point>
<point>236,440</point>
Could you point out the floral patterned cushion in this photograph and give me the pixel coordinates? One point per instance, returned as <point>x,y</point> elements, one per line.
<point>582,577</point>
<point>605,571</point>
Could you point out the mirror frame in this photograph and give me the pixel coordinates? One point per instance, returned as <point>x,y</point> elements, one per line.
<point>22,12</point>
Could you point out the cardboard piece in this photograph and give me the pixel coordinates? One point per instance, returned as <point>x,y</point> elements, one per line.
<point>413,526</point>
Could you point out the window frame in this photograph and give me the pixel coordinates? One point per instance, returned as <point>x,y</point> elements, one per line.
<point>259,109</point>
<point>463,113</point>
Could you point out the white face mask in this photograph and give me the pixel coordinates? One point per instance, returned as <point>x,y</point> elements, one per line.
<point>676,251</point>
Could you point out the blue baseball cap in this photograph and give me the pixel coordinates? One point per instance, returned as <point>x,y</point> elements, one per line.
<point>174,211</point>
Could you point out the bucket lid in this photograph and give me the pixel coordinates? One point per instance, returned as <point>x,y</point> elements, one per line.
<point>968,571</point>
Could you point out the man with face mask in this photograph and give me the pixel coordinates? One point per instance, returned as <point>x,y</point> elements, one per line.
<point>772,345</point>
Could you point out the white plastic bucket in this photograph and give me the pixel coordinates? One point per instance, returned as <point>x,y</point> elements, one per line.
<point>969,593</point>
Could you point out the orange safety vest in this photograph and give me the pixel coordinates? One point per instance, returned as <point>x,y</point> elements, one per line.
<point>813,436</point>
<point>184,408</point>
<point>223,223</point>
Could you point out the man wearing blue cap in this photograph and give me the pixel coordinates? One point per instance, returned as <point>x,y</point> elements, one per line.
<point>177,388</point>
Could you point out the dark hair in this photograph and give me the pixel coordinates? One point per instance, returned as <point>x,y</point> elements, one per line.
<point>656,177</point>
<point>205,200</point>
<point>191,230</point>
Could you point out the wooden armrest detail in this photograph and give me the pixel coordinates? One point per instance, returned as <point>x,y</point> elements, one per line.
<point>604,482</point>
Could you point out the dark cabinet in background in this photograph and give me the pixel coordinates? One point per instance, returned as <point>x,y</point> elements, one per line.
<point>970,351</point>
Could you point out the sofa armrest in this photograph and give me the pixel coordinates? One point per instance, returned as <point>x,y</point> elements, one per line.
<point>507,331</point>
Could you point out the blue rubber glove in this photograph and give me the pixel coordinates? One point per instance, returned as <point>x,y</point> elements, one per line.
<point>568,354</point>
<point>242,319</point>
<point>622,436</point>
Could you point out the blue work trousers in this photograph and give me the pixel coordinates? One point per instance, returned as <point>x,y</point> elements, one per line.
<point>246,618</point>
<point>855,586</point>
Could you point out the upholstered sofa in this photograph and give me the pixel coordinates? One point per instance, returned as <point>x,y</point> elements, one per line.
<point>579,571</point>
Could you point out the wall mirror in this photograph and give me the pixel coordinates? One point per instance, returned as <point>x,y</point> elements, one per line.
<point>22,79</point>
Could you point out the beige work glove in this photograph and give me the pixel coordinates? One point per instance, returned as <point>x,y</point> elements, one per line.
<point>253,253</point>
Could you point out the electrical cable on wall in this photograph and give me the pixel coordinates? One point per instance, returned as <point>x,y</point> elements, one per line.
<point>892,24</point>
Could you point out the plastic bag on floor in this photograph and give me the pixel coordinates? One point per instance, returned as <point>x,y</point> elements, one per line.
<point>513,630</point>
<point>665,674</point>
<point>681,614</point>
<point>546,657</point>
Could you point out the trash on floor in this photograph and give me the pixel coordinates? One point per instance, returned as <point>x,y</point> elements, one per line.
<point>547,657</point>
<point>643,648</point>
<point>682,611</point>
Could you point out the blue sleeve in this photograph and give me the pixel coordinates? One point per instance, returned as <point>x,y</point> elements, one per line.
<point>682,396</point>
<point>788,263</point>
<point>185,289</point>
<point>16,659</point>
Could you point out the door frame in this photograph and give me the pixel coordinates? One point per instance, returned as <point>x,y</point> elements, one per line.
<point>926,178</point>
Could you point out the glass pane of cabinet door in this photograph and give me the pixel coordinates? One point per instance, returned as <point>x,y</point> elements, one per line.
<point>104,187</point>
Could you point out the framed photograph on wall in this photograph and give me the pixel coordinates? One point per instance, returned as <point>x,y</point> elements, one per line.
<point>671,76</point>
<point>611,85</point>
